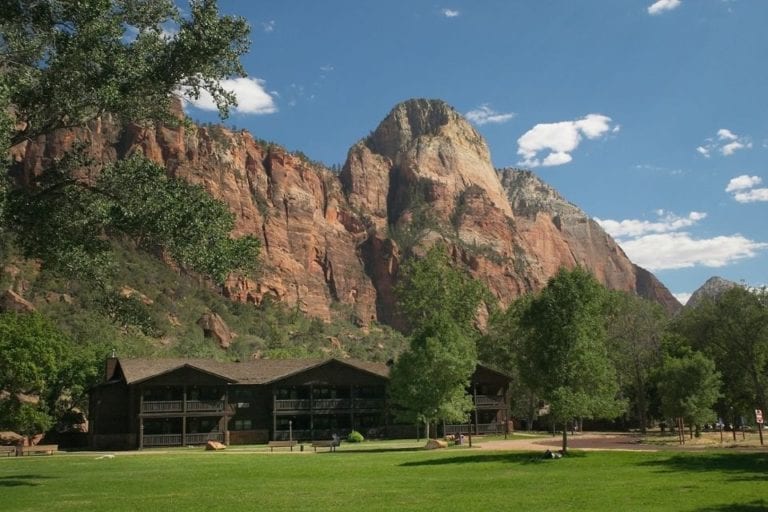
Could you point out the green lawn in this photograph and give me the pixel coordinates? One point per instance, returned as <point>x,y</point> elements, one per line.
<point>390,477</point>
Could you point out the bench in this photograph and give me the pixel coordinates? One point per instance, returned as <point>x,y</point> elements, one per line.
<point>7,450</point>
<point>48,449</point>
<point>281,444</point>
<point>332,444</point>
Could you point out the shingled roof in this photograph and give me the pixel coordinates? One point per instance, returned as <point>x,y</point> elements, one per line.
<point>258,371</point>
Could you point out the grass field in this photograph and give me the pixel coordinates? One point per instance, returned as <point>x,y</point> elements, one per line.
<point>391,476</point>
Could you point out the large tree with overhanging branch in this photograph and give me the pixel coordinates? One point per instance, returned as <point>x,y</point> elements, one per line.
<point>63,64</point>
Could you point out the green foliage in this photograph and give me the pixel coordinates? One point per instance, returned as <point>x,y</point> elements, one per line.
<point>62,220</point>
<point>733,331</point>
<point>635,328</point>
<point>69,62</point>
<point>689,386</point>
<point>66,63</point>
<point>430,289</point>
<point>32,354</point>
<point>429,380</point>
<point>355,437</point>
<point>564,355</point>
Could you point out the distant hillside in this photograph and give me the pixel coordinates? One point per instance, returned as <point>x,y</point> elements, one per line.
<point>712,289</point>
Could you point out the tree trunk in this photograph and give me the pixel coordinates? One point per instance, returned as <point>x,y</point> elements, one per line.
<point>565,438</point>
<point>426,430</point>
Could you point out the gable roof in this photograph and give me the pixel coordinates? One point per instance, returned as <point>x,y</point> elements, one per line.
<point>258,371</point>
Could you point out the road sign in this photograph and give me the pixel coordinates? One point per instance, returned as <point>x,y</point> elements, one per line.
<point>759,415</point>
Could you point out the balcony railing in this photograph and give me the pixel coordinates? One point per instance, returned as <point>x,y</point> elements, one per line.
<point>176,439</point>
<point>292,405</point>
<point>166,406</point>
<point>163,406</point>
<point>205,405</point>
<point>332,403</point>
<point>489,402</point>
<point>304,404</point>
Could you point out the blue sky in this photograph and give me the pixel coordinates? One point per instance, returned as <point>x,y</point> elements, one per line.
<point>650,116</point>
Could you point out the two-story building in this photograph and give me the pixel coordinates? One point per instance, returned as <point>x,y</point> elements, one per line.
<point>177,402</point>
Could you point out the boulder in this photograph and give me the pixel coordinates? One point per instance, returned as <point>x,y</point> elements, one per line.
<point>214,327</point>
<point>215,446</point>
<point>434,444</point>
<point>15,303</point>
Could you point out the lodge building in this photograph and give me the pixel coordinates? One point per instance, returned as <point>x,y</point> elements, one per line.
<point>177,402</point>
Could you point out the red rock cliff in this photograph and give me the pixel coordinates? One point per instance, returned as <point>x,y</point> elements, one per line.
<point>330,240</point>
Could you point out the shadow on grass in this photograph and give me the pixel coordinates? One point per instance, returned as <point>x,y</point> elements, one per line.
<point>740,466</point>
<point>513,458</point>
<point>380,450</point>
<point>20,480</point>
<point>753,506</point>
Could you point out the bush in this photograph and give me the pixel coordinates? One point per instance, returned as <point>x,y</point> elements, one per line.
<point>355,437</point>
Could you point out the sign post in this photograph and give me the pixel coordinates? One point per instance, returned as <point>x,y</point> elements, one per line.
<point>759,419</point>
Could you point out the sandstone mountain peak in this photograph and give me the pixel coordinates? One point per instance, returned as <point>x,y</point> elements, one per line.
<point>712,289</point>
<point>421,145</point>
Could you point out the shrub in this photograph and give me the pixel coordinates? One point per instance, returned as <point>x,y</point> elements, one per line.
<point>355,437</point>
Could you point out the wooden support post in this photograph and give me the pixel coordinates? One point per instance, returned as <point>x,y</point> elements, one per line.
<point>274,413</point>
<point>474,393</point>
<point>760,431</point>
<point>352,407</point>
<point>312,412</point>
<point>184,416</point>
<point>141,433</point>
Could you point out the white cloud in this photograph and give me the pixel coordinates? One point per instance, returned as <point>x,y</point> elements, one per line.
<point>743,182</point>
<point>560,139</point>
<point>725,142</point>
<point>268,26</point>
<point>666,223</point>
<point>484,114</point>
<point>252,97</point>
<point>744,191</point>
<point>681,250</point>
<point>327,68</point>
<point>662,6</point>
<point>726,134</point>
<point>450,13</point>
<point>732,147</point>
<point>752,196</point>
<point>683,297</point>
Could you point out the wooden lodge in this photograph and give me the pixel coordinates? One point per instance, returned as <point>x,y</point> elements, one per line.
<point>179,402</point>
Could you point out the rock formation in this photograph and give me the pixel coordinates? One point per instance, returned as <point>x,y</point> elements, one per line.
<point>423,175</point>
<point>712,289</point>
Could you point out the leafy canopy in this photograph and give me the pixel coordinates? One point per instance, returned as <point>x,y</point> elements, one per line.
<point>430,379</point>
<point>63,64</point>
<point>564,355</point>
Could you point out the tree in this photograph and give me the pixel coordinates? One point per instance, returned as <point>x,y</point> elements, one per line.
<point>564,355</point>
<point>430,288</point>
<point>500,345</point>
<point>634,328</point>
<point>733,331</point>
<point>689,386</point>
<point>429,381</point>
<point>32,354</point>
<point>63,64</point>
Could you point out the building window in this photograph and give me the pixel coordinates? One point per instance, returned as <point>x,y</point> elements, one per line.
<point>242,425</point>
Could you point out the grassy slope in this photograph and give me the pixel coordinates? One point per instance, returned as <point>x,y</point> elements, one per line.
<point>456,479</point>
<point>168,325</point>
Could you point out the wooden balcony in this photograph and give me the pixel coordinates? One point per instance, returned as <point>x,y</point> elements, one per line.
<point>175,406</point>
<point>330,404</point>
<point>489,402</point>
